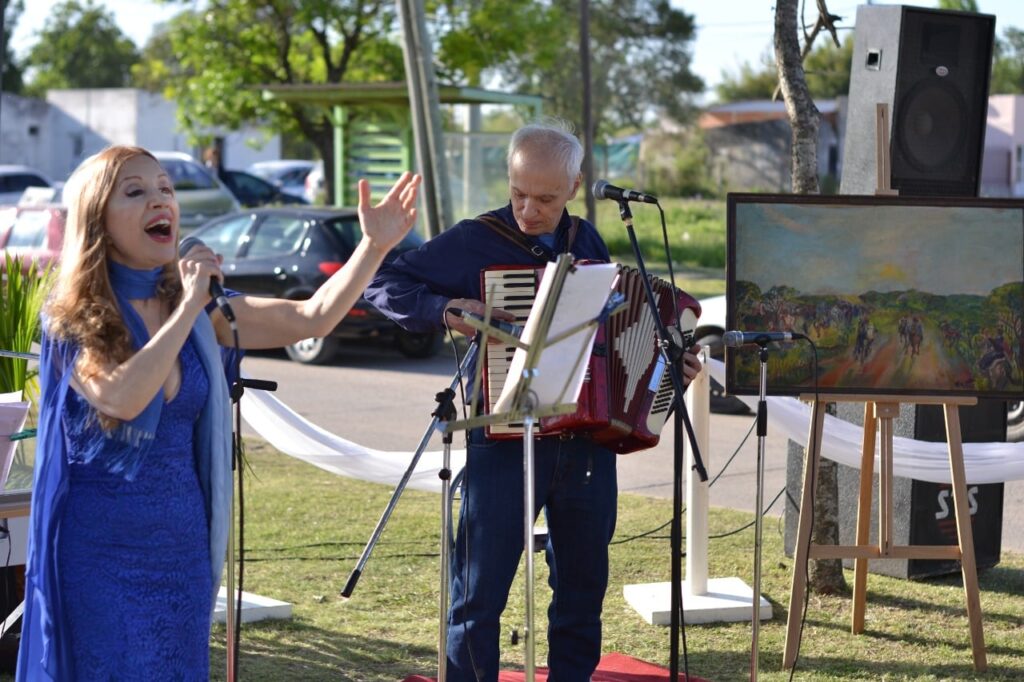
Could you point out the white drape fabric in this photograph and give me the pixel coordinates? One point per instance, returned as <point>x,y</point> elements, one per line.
<point>841,442</point>
<point>294,435</point>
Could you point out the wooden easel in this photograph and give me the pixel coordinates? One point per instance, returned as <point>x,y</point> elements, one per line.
<point>879,412</point>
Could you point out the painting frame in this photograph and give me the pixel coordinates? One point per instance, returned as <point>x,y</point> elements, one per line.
<point>874,282</point>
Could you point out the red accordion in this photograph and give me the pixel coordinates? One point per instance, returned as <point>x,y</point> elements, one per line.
<point>627,394</point>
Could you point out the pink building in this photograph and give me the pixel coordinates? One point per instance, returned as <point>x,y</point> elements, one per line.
<point>1002,167</point>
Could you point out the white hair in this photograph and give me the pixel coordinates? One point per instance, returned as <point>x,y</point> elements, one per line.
<point>556,137</point>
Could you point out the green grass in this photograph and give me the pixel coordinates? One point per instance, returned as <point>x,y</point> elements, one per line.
<point>306,528</point>
<point>696,230</point>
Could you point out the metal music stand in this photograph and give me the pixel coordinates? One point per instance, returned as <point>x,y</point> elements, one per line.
<point>16,502</point>
<point>520,402</point>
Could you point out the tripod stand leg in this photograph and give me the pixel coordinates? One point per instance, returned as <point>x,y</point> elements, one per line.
<point>353,578</point>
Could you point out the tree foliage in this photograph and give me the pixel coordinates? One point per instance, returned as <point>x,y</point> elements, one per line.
<point>80,46</point>
<point>229,49</point>
<point>1008,64</point>
<point>213,61</point>
<point>11,77</point>
<point>959,5</point>
<point>748,82</point>
<point>158,64</point>
<point>640,55</point>
<point>826,68</point>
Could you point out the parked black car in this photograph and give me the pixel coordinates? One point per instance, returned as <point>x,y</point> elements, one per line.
<point>288,252</point>
<point>252,191</point>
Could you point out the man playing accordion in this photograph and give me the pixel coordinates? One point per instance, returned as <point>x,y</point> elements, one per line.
<point>575,479</point>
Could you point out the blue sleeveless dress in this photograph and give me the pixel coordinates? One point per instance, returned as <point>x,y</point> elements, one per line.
<point>134,556</point>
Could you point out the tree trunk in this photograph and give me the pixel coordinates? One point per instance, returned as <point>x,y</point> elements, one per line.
<point>826,575</point>
<point>803,115</point>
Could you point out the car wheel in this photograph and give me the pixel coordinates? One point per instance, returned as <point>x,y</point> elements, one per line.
<point>720,402</point>
<point>413,345</point>
<point>313,351</point>
<point>1015,421</point>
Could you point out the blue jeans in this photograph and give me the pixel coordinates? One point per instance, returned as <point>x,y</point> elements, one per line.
<point>576,484</point>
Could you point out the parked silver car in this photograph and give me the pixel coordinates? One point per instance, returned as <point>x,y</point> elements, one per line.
<point>14,180</point>
<point>288,175</point>
<point>200,195</point>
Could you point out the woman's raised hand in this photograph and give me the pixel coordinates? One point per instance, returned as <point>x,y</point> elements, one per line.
<point>385,224</point>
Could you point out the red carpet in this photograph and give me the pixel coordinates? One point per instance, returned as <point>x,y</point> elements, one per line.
<point>612,668</point>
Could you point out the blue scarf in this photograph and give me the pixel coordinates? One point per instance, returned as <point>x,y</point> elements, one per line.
<point>44,652</point>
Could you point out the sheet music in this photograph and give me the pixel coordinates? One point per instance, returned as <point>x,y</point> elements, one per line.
<point>562,366</point>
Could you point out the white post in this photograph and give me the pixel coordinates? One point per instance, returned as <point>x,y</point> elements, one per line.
<point>705,600</point>
<point>698,404</point>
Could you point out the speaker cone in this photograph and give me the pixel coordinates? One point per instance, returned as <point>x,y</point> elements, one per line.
<point>931,125</point>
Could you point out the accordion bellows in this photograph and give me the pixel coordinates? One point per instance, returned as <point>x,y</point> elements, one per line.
<point>627,394</point>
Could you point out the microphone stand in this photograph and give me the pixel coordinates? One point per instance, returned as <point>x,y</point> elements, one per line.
<point>672,347</point>
<point>233,611</point>
<point>762,433</point>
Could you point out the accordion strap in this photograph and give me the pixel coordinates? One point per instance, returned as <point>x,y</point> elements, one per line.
<point>542,253</point>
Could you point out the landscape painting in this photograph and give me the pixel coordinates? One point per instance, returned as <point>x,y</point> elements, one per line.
<point>899,296</point>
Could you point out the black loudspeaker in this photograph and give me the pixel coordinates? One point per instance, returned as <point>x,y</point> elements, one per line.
<point>932,68</point>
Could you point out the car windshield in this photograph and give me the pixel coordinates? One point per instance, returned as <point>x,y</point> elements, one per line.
<point>17,182</point>
<point>347,229</point>
<point>187,175</point>
<point>29,230</point>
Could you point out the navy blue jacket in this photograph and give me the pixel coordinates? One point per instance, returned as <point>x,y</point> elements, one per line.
<point>414,288</point>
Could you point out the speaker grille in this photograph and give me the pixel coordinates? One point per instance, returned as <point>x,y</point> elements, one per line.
<point>940,102</point>
<point>933,126</point>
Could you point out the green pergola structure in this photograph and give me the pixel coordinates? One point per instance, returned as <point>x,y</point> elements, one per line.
<point>341,98</point>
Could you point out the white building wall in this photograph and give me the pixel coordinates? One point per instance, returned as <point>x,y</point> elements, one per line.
<point>157,124</point>
<point>89,120</point>
<point>25,136</point>
<point>249,145</point>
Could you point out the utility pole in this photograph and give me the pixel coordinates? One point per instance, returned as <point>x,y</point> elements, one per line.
<point>588,122</point>
<point>426,115</point>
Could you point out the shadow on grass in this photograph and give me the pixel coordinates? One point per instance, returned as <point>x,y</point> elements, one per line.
<point>839,667</point>
<point>947,610</point>
<point>294,651</point>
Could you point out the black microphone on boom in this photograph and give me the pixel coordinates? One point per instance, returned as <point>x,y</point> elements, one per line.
<point>216,290</point>
<point>736,339</point>
<point>604,190</point>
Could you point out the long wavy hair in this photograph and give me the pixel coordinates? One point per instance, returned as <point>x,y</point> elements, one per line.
<point>82,307</point>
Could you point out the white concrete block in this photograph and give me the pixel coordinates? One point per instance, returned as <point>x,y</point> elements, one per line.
<point>726,600</point>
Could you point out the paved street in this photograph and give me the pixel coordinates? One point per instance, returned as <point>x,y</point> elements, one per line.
<point>379,399</point>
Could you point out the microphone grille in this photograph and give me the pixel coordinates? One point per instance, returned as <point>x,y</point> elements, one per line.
<point>187,244</point>
<point>598,188</point>
<point>733,339</point>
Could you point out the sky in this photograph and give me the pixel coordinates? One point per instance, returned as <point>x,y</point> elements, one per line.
<point>729,32</point>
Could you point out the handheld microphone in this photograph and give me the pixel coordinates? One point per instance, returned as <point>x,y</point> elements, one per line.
<point>515,330</point>
<point>216,290</point>
<point>602,189</point>
<point>736,339</point>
